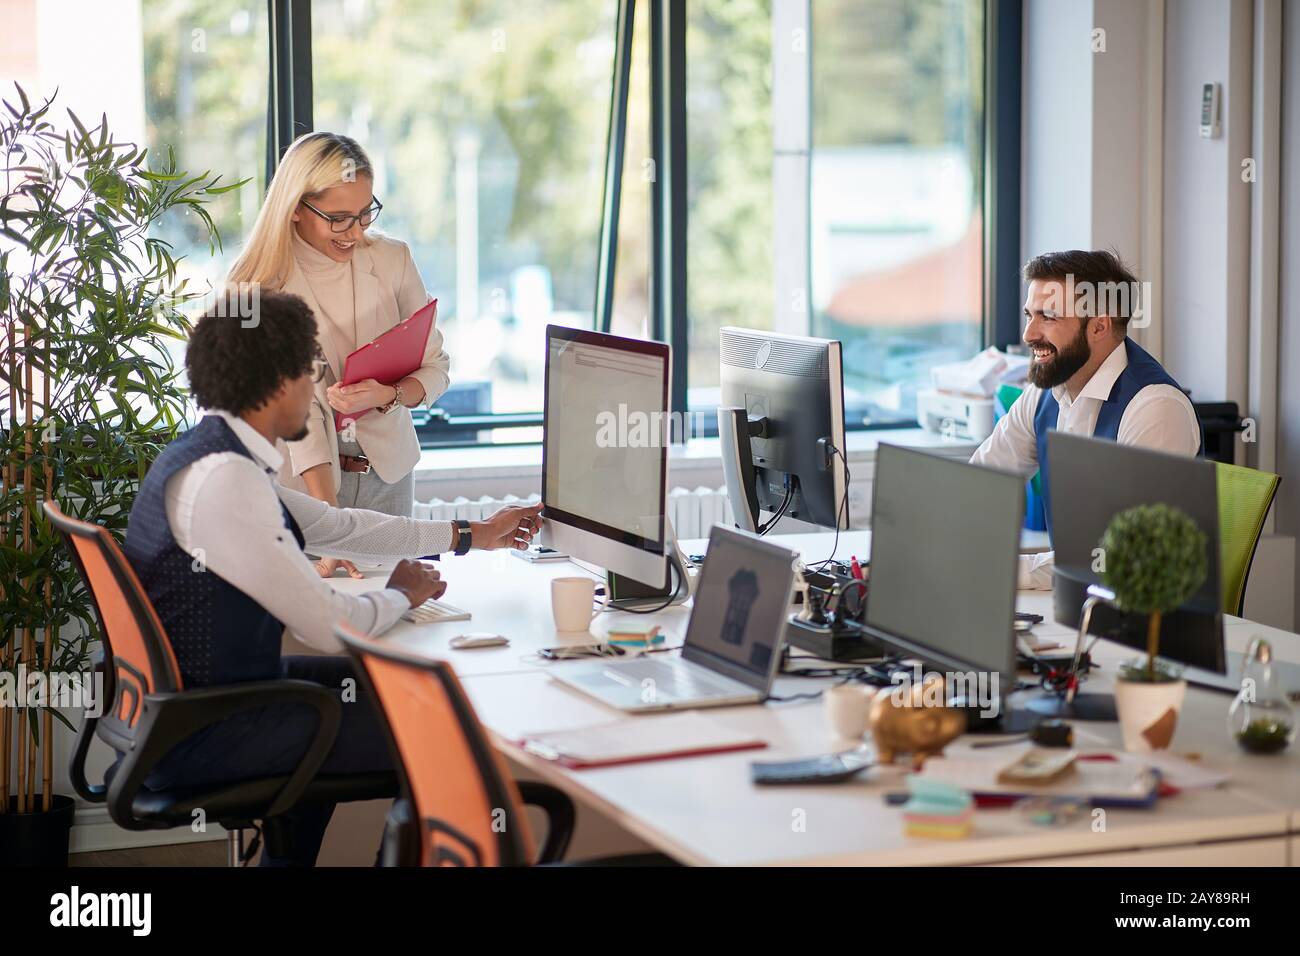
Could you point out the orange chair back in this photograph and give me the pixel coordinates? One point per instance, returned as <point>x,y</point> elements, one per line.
<point>468,807</point>
<point>138,655</point>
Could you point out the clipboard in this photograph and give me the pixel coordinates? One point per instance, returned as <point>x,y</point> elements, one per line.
<point>388,359</point>
<point>638,739</point>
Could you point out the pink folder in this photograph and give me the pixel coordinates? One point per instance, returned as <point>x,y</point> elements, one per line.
<point>390,358</point>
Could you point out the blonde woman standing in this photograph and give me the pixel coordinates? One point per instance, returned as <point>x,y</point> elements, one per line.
<point>312,238</point>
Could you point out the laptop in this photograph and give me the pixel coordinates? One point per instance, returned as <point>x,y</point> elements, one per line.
<point>733,640</point>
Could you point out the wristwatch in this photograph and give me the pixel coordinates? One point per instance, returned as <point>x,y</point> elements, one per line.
<point>465,540</point>
<point>396,403</point>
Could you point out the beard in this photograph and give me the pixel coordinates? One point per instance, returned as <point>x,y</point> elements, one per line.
<point>299,435</point>
<point>1061,368</point>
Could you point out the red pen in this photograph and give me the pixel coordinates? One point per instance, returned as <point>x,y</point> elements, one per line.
<point>856,569</point>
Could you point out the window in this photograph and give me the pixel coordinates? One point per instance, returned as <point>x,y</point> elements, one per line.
<point>631,309</point>
<point>729,171</point>
<point>837,192</point>
<point>897,239</point>
<point>487,124</point>
<point>188,76</point>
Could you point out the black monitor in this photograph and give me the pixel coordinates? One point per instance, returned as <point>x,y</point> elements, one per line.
<point>781,425</point>
<point>945,545</point>
<point>1092,480</point>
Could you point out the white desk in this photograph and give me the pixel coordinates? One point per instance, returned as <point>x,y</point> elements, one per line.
<point>512,597</point>
<point>705,811</point>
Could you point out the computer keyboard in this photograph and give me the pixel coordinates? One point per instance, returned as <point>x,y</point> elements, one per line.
<point>435,612</point>
<point>673,683</point>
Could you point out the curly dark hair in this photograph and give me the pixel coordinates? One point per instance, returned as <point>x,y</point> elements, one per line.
<point>245,347</point>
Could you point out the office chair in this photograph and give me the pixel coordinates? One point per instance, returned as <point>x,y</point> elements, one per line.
<point>459,805</point>
<point>151,712</point>
<point>1245,495</point>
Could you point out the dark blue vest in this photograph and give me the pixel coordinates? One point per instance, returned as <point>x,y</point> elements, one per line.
<point>220,635</point>
<point>1142,370</point>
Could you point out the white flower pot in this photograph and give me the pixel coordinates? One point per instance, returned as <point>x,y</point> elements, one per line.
<point>1148,713</point>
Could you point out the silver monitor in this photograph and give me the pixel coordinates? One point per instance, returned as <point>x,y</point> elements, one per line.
<point>605,451</point>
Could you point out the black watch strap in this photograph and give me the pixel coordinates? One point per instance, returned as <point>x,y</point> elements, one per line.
<point>465,541</point>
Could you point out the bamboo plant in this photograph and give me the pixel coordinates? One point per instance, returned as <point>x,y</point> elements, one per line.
<point>89,395</point>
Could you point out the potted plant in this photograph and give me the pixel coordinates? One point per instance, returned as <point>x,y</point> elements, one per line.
<point>88,397</point>
<point>1154,560</point>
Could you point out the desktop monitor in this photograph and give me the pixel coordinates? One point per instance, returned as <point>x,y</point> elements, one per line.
<point>781,425</point>
<point>605,451</point>
<point>945,542</point>
<point>1094,479</point>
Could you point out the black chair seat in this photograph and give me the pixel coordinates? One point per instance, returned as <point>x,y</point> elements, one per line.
<point>243,801</point>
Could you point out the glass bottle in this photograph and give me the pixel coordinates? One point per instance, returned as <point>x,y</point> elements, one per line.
<point>1261,719</point>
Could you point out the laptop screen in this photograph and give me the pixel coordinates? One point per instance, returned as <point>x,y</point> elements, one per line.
<point>741,605</point>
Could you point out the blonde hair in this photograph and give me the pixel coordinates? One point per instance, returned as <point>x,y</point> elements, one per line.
<point>313,163</point>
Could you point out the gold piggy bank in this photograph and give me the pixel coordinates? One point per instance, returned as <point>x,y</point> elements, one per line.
<point>903,720</point>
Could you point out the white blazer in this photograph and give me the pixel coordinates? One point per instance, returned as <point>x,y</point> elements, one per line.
<point>388,290</point>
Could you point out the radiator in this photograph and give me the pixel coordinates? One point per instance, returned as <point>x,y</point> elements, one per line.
<point>692,513</point>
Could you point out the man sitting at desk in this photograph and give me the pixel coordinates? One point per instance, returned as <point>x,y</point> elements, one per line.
<point>1086,377</point>
<point>218,546</point>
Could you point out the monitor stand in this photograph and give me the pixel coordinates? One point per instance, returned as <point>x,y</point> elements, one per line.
<point>678,577</point>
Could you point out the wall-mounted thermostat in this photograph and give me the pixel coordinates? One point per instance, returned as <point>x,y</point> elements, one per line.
<point>1210,110</point>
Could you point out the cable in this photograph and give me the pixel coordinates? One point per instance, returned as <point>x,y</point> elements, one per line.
<point>812,696</point>
<point>780,512</point>
<point>837,595</point>
<point>677,588</point>
<point>842,514</point>
<point>782,700</point>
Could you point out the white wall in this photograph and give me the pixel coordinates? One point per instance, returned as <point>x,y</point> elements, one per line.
<point>1056,117</point>
<point>1206,204</point>
<point>1091,139</point>
<point>1113,157</point>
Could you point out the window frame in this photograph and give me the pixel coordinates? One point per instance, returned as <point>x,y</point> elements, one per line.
<point>289,115</point>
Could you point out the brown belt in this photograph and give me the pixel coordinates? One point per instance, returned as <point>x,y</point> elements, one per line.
<point>358,464</point>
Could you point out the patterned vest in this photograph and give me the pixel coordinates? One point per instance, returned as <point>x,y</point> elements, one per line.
<point>220,635</point>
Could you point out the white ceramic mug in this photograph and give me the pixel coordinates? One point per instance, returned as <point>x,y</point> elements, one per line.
<point>847,708</point>
<point>572,603</point>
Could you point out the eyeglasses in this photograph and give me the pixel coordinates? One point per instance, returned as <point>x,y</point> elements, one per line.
<point>319,363</point>
<point>343,223</point>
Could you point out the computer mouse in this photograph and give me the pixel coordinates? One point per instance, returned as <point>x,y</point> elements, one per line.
<point>465,642</point>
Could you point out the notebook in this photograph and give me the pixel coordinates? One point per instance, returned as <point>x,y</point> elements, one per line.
<point>1105,782</point>
<point>685,734</point>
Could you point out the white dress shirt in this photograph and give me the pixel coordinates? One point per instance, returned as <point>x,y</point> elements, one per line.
<point>224,510</point>
<point>1159,417</point>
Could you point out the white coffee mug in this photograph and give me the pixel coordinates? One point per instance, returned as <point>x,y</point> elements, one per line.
<point>847,707</point>
<point>572,603</point>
